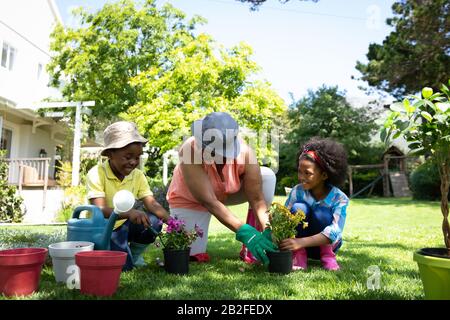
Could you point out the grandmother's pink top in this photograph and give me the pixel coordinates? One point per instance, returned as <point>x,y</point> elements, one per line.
<point>179,195</point>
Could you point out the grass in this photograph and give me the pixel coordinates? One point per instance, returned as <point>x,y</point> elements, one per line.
<point>378,232</point>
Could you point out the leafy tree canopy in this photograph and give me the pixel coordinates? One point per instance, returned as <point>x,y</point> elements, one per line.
<point>97,60</point>
<point>199,82</point>
<point>416,53</point>
<point>146,65</point>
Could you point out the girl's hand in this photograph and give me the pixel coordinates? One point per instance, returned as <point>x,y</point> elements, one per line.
<point>291,244</point>
<point>138,217</point>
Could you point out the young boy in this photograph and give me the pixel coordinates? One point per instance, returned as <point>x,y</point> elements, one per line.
<point>132,232</point>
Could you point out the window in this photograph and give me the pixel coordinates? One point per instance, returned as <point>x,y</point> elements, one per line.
<point>5,142</point>
<point>8,56</point>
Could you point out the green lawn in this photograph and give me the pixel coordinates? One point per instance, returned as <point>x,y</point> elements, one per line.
<point>378,232</point>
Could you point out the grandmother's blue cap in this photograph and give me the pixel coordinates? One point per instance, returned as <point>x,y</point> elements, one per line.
<point>217,132</point>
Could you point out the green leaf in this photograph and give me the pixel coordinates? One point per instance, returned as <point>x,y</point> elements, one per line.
<point>419,152</point>
<point>383,134</point>
<point>401,125</point>
<point>441,118</point>
<point>397,106</point>
<point>443,106</point>
<point>427,92</point>
<point>408,107</point>
<point>427,116</point>
<point>430,104</point>
<point>414,145</point>
<point>397,135</point>
<point>418,104</point>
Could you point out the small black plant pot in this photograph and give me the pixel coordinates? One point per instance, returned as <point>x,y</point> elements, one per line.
<point>280,261</point>
<point>176,261</point>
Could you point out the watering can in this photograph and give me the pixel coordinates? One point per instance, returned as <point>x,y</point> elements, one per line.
<point>97,229</point>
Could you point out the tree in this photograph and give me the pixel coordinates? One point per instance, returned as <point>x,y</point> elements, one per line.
<point>97,60</point>
<point>416,53</point>
<point>326,113</point>
<point>197,83</point>
<point>425,124</point>
<point>147,65</point>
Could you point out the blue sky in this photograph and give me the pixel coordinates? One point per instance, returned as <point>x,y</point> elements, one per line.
<point>299,45</point>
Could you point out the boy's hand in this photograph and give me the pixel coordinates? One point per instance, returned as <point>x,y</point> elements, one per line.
<point>138,217</point>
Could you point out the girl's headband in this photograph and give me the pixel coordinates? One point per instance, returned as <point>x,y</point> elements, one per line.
<point>314,156</point>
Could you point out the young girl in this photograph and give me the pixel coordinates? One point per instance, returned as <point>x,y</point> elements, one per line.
<point>322,167</point>
<point>132,232</point>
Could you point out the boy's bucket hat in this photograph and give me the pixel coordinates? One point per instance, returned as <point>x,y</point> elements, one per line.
<point>217,132</point>
<point>121,134</point>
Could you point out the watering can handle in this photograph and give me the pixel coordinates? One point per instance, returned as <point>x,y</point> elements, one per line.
<point>97,214</point>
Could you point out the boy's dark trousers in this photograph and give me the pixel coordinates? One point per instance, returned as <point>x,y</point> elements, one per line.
<point>137,233</point>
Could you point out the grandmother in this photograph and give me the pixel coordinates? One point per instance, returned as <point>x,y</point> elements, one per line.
<point>217,168</point>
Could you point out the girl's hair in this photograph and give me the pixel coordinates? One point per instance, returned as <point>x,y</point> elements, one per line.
<point>329,155</point>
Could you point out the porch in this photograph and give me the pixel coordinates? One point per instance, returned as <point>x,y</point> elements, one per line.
<point>42,196</point>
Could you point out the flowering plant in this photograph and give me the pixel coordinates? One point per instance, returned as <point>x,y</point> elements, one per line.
<point>176,237</point>
<point>283,223</point>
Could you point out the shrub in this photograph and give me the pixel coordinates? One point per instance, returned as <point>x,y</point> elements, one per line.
<point>361,179</point>
<point>73,197</point>
<point>159,192</point>
<point>425,182</point>
<point>286,182</point>
<point>10,201</point>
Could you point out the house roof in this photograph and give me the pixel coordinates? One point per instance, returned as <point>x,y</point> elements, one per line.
<point>393,150</point>
<point>55,10</point>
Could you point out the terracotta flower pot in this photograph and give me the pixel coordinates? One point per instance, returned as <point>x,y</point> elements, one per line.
<point>100,271</point>
<point>280,261</point>
<point>20,270</point>
<point>176,261</point>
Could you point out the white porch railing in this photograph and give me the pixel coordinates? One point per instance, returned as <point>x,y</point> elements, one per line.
<point>30,172</point>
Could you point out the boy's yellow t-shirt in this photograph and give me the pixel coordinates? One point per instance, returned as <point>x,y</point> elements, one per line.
<point>103,183</point>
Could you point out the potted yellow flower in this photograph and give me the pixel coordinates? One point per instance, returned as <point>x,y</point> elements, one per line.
<point>425,123</point>
<point>283,225</point>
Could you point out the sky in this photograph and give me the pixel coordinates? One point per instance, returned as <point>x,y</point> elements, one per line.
<point>299,45</point>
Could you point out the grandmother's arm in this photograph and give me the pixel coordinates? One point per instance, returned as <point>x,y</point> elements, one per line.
<point>201,188</point>
<point>253,188</point>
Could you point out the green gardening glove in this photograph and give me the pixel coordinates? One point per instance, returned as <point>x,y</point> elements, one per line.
<point>267,233</point>
<point>255,242</point>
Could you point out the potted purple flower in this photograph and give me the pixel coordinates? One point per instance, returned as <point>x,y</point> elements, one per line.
<point>176,242</point>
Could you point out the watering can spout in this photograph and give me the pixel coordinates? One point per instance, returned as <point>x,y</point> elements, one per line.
<point>123,201</point>
<point>106,236</point>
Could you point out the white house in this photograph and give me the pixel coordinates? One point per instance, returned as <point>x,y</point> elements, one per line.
<point>25,28</point>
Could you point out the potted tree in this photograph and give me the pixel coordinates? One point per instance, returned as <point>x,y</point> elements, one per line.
<point>283,225</point>
<point>425,123</point>
<point>176,242</point>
